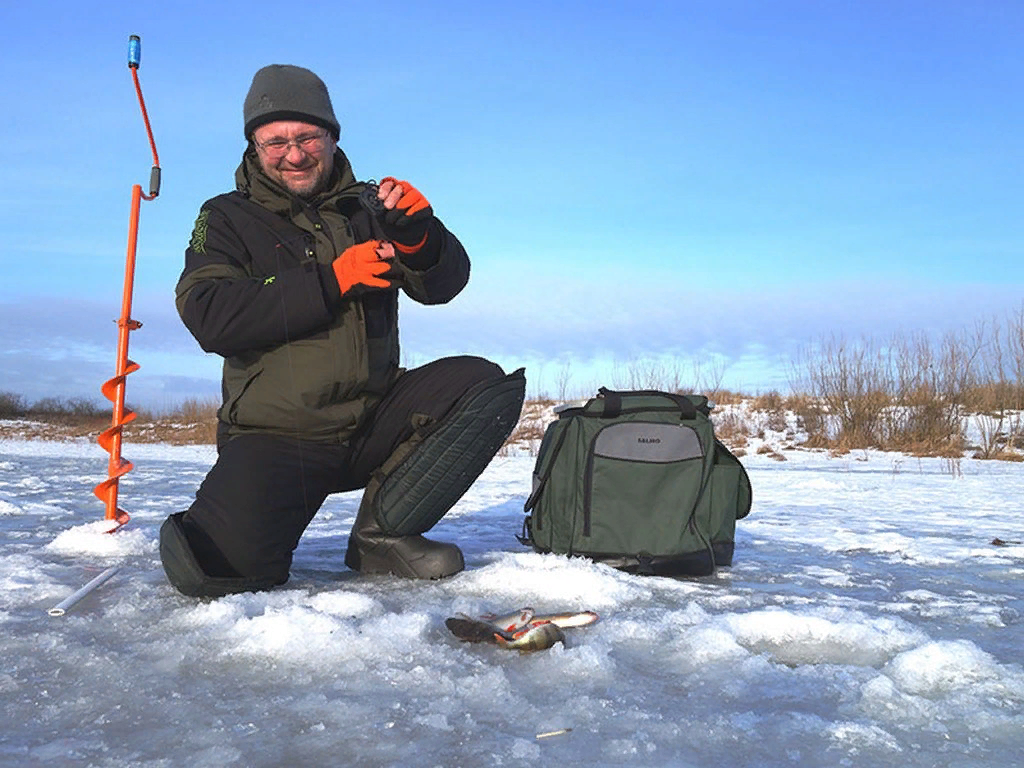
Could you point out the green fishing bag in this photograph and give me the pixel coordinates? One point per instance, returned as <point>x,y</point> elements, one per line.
<point>637,480</point>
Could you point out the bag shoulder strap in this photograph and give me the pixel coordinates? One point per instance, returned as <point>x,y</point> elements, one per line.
<point>531,501</point>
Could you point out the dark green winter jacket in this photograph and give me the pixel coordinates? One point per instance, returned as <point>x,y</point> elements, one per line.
<point>258,289</point>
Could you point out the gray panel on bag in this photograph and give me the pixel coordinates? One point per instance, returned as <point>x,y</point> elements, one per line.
<point>658,443</point>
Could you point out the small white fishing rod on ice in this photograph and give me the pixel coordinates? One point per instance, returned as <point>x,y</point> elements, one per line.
<point>61,608</point>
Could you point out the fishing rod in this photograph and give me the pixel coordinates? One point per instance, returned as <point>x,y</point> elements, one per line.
<point>113,389</point>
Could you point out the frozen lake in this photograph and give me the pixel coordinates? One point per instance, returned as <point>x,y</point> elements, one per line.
<point>868,620</point>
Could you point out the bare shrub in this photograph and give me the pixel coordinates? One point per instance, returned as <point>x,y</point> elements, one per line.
<point>996,397</point>
<point>769,401</point>
<point>196,410</point>
<point>731,427</point>
<point>850,383</point>
<point>810,417</point>
<point>70,411</point>
<point>648,373</point>
<point>930,384</point>
<point>193,421</point>
<point>563,379</point>
<point>772,406</point>
<point>909,394</point>
<point>708,376</point>
<point>669,376</point>
<point>12,406</point>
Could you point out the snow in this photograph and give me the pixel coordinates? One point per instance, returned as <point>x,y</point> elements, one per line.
<point>868,620</point>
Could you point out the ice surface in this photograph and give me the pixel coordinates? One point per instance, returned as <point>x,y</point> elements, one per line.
<point>868,620</point>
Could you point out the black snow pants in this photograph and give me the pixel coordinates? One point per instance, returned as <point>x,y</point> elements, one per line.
<point>263,491</point>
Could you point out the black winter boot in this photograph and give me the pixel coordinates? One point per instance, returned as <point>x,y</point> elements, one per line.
<point>370,550</point>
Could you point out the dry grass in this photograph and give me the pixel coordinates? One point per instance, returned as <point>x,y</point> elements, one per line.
<point>772,408</point>
<point>732,428</point>
<point>193,422</point>
<point>728,397</point>
<point>533,421</point>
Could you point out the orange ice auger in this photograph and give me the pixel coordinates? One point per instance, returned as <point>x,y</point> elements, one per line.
<point>113,389</point>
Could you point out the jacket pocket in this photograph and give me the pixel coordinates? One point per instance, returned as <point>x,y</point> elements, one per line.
<point>237,381</point>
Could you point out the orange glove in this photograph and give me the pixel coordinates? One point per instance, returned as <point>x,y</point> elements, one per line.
<point>406,223</point>
<point>362,265</point>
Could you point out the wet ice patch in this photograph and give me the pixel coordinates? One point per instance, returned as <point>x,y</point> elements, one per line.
<point>9,507</point>
<point>95,539</point>
<point>829,577</point>
<point>23,581</point>
<point>525,750</point>
<point>436,721</point>
<point>966,606</point>
<point>797,639</point>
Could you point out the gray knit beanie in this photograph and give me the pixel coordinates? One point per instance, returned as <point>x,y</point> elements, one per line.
<point>285,92</point>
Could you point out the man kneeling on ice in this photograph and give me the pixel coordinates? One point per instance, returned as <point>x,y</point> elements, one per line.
<point>293,279</point>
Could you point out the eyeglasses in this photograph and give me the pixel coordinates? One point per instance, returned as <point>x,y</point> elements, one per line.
<point>310,144</point>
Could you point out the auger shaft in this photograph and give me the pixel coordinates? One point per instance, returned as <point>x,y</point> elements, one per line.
<point>114,388</point>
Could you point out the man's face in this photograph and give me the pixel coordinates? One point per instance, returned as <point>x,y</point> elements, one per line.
<point>303,165</point>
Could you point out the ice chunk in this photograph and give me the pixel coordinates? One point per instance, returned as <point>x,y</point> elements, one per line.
<point>553,582</point>
<point>95,539</point>
<point>341,603</point>
<point>939,667</point>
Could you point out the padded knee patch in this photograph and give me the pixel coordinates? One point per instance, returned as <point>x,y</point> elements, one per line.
<point>188,577</point>
<point>426,475</point>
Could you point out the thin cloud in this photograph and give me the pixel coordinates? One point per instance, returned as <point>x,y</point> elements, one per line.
<point>67,348</point>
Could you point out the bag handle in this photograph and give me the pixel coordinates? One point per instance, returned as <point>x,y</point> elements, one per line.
<point>613,402</point>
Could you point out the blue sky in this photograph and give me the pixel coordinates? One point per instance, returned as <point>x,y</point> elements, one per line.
<point>720,183</point>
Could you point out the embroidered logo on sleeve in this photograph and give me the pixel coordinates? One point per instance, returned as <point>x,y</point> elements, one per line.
<point>198,241</point>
